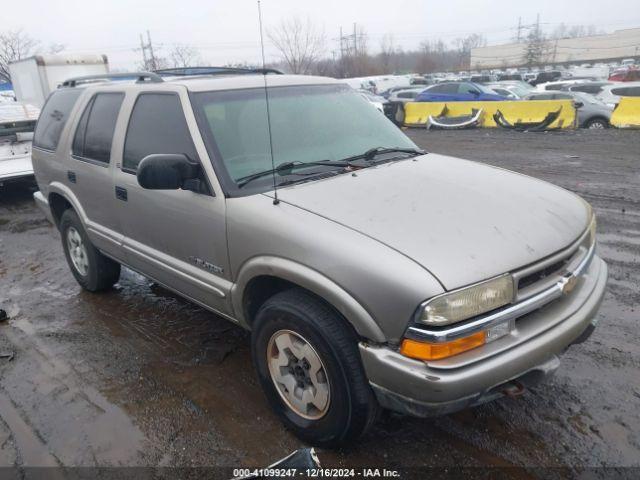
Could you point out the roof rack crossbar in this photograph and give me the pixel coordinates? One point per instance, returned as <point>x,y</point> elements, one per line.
<point>140,77</point>
<point>211,70</point>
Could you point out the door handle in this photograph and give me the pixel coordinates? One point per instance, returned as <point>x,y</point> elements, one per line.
<point>121,193</point>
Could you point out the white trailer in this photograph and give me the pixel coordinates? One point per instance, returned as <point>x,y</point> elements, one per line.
<point>35,77</point>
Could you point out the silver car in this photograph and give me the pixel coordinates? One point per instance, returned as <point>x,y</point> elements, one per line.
<point>370,273</point>
<point>591,112</point>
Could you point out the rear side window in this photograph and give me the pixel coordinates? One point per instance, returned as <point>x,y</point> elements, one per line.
<point>543,96</point>
<point>626,91</point>
<point>54,117</point>
<point>408,95</point>
<point>94,133</point>
<point>157,125</point>
<point>451,88</point>
<point>592,89</point>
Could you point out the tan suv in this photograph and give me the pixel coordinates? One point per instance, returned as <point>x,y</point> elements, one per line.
<point>370,273</point>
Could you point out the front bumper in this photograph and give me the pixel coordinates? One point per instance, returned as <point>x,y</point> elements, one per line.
<point>413,387</point>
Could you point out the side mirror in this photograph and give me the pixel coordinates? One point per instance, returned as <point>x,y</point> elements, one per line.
<point>170,171</point>
<point>578,104</point>
<point>475,93</point>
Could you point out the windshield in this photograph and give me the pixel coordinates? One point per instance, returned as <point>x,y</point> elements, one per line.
<point>308,124</point>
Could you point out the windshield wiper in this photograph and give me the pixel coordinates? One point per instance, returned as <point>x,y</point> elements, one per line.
<point>373,152</point>
<point>288,167</point>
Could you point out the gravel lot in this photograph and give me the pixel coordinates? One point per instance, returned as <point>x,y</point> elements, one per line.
<point>139,377</point>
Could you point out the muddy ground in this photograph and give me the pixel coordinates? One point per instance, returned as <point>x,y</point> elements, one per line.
<point>139,377</point>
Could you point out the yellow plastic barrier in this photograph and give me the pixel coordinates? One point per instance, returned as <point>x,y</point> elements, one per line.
<point>529,111</point>
<point>627,113</point>
<point>416,114</point>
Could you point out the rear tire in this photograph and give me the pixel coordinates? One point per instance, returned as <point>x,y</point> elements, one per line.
<point>312,329</point>
<point>91,269</point>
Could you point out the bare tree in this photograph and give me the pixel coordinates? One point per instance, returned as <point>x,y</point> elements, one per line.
<point>387,53</point>
<point>466,44</point>
<point>183,56</point>
<point>299,42</point>
<point>576,31</point>
<point>14,45</point>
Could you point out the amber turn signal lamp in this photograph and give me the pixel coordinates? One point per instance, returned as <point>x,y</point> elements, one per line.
<point>436,351</point>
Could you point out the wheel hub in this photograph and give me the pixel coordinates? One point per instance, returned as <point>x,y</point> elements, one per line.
<point>298,374</point>
<point>77,251</point>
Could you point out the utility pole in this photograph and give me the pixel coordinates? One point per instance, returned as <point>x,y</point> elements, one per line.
<point>519,29</point>
<point>150,61</point>
<point>355,39</point>
<point>154,63</point>
<point>144,52</point>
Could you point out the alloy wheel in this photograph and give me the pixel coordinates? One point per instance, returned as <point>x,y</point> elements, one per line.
<point>298,374</point>
<point>77,251</point>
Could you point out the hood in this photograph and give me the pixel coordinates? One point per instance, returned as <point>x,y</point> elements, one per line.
<point>461,220</point>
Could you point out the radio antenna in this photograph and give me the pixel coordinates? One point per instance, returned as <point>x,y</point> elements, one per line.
<point>266,98</point>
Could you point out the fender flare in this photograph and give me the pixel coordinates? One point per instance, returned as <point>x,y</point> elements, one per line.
<point>64,191</point>
<point>311,280</point>
<point>459,122</point>
<point>551,117</point>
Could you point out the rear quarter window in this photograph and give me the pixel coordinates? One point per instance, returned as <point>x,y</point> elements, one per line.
<point>53,118</point>
<point>94,133</point>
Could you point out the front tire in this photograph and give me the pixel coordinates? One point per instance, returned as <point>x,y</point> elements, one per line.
<point>309,367</point>
<point>597,124</point>
<point>92,270</point>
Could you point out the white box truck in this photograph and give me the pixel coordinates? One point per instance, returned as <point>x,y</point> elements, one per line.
<point>35,77</point>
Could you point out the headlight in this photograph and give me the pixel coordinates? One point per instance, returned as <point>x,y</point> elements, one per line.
<point>468,302</point>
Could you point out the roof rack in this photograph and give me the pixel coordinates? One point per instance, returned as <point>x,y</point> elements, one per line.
<point>139,77</point>
<point>195,71</point>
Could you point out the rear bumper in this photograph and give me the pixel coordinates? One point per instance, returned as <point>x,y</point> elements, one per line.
<point>413,387</point>
<point>43,204</point>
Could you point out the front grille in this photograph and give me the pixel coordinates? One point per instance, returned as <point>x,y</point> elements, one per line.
<point>543,274</point>
<point>540,275</point>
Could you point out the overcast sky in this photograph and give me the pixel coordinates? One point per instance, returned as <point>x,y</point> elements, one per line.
<point>227,30</point>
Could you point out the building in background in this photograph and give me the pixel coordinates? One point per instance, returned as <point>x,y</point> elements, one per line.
<point>615,46</point>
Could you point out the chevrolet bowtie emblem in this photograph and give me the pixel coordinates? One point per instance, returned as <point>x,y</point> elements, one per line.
<point>568,283</point>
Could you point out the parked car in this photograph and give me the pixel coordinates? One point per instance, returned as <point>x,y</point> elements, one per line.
<point>369,273</point>
<point>560,85</point>
<point>545,77</point>
<point>509,95</point>
<point>510,76</point>
<point>592,113</point>
<point>510,90</point>
<point>375,100</point>
<point>405,95</point>
<point>592,88</point>
<point>611,94</point>
<point>485,78</point>
<point>458,92</point>
<point>626,75</point>
<point>394,90</point>
<point>17,122</point>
